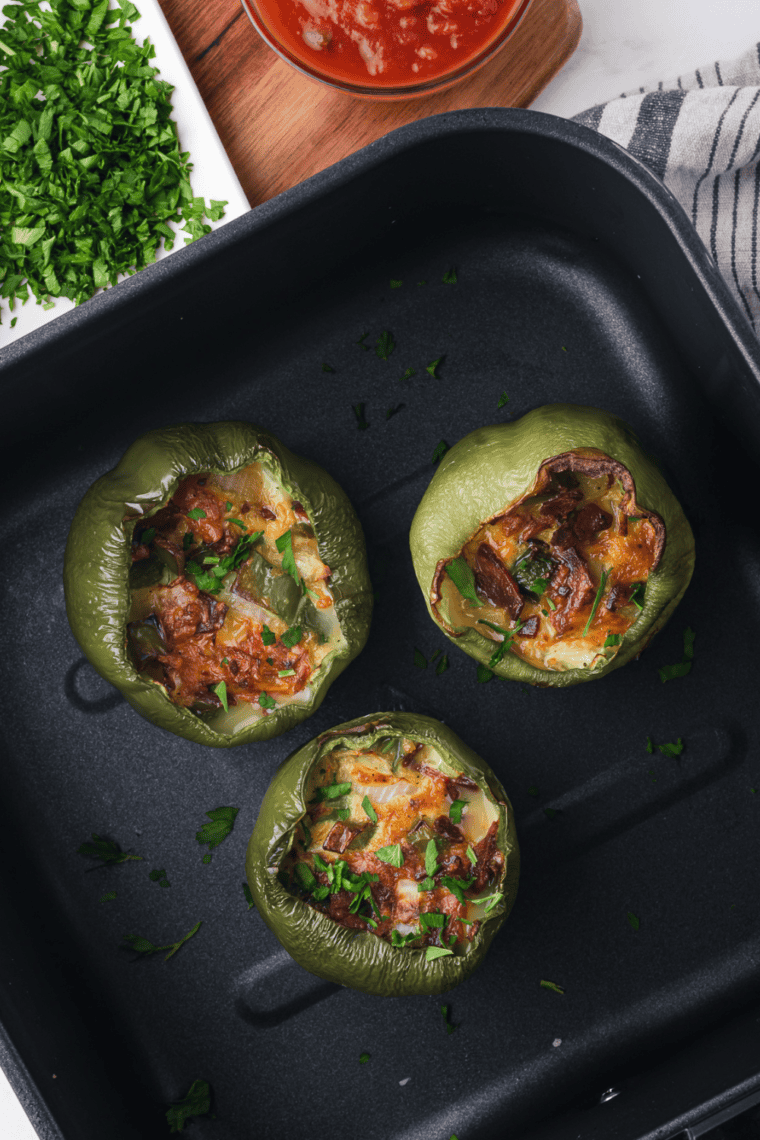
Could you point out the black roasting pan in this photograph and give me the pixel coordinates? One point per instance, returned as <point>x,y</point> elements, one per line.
<point>578,279</point>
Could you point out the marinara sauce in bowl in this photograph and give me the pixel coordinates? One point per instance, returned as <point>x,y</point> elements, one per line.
<point>386,49</point>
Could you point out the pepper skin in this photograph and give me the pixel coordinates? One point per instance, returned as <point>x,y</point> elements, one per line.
<point>493,467</point>
<point>97,561</point>
<point>363,961</point>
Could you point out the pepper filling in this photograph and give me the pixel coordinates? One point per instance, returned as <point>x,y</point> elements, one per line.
<point>394,846</point>
<point>559,576</point>
<point>230,604</point>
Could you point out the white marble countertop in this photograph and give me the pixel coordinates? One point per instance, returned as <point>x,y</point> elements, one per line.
<point>624,45</point>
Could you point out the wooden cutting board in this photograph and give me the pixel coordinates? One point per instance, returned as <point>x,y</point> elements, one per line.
<point>279,128</point>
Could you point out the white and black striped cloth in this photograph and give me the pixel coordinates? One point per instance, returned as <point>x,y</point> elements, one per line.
<point>701,134</point>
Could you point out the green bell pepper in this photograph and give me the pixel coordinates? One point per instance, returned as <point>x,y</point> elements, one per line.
<point>98,557</point>
<point>494,467</point>
<point>331,951</point>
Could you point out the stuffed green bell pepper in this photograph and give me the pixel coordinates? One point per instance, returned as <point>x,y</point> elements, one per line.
<point>551,549</point>
<point>219,581</point>
<point>385,856</point>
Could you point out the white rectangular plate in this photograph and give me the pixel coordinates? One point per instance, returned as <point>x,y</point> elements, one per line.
<point>212,175</point>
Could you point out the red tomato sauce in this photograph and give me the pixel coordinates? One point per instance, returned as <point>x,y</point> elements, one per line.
<point>386,43</point>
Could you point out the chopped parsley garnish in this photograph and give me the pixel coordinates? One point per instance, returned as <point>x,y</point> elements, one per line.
<point>393,411</point>
<point>228,506</point>
<point>196,1102</point>
<point>551,986</point>
<point>426,884</point>
<point>442,665</point>
<point>285,546</point>
<point>239,522</point>
<point>431,857</point>
<point>441,448</point>
<point>327,367</point>
<point>463,577</point>
<point>210,581</point>
<point>267,636</point>
<point>248,896</point>
<point>432,920</point>
<point>407,375</point>
<point>456,887</point>
<point>433,952</point>
<point>597,599</point>
<point>634,921</point>
<point>637,595</point>
<point>612,639</point>
<point>197,513</point>
<point>420,660</point>
<point>432,367</point>
<point>450,276</point>
<point>369,810</point>
<point>503,400</point>
<point>221,692</point>
<point>484,674</point>
<point>214,833</point>
<point>109,896</point>
<point>455,811</point>
<point>506,644</point>
<point>305,877</point>
<point>363,1058</point>
<point>361,422</point>
<point>650,746</point>
<point>331,792</point>
<point>472,856</point>
<point>159,877</point>
<point>392,855</point>
<point>447,1020</point>
<point>93,170</point>
<point>143,946</point>
<point>292,636</point>
<point>107,851</point>
<point>399,940</point>
<point>684,666</point>
<point>384,345</point>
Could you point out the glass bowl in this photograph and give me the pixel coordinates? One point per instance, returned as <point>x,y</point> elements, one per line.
<point>302,33</point>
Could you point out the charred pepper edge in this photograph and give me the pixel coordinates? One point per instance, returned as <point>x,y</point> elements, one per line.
<point>147,475</point>
<point>343,955</point>
<point>495,459</point>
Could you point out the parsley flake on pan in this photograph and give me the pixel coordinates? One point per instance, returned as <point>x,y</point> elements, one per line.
<point>394,411</point>
<point>551,986</point>
<point>109,896</point>
<point>433,366</point>
<point>633,920</point>
<point>107,851</point>
<point>446,1017</point>
<point>503,400</point>
<point>143,946</point>
<point>327,367</point>
<point>420,660</point>
<point>196,1102</point>
<point>450,276</point>
<point>361,422</point>
<point>407,375</point>
<point>93,171</point>
<point>442,665</point>
<point>441,448</point>
<point>214,833</point>
<point>363,1058</point>
<point>484,674</point>
<point>384,345</point>
<point>684,666</point>
<point>673,749</point>
<point>159,877</point>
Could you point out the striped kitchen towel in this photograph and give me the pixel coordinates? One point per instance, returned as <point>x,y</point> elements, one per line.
<point>701,134</point>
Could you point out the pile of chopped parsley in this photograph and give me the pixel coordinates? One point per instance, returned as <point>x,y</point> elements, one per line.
<point>91,172</point>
